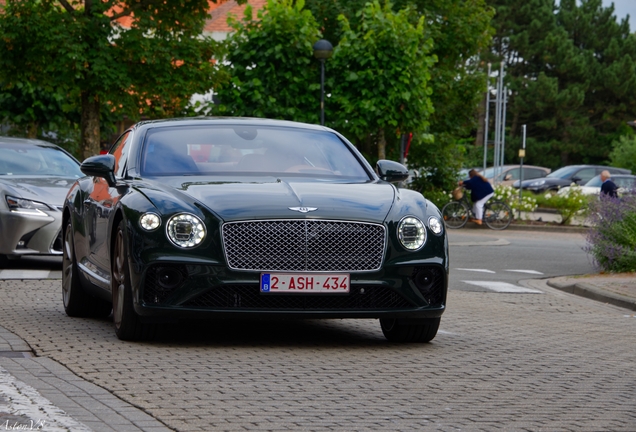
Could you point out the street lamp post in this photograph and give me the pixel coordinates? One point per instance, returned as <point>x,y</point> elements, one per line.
<point>322,51</point>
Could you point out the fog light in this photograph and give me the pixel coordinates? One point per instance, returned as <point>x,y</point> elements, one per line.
<point>169,278</point>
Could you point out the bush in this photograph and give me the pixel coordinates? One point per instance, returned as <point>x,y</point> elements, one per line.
<point>510,195</point>
<point>612,238</point>
<point>572,203</point>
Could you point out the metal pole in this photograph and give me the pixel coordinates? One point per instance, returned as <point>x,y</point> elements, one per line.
<point>487,117</point>
<point>497,127</point>
<point>322,92</point>
<point>522,155</point>
<point>503,123</point>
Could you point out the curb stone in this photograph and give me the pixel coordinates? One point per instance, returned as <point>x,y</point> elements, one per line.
<point>592,292</point>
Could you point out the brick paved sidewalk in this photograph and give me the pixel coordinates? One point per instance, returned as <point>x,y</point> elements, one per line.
<point>617,289</point>
<point>37,393</point>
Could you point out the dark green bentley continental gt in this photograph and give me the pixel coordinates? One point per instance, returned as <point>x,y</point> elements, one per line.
<point>233,217</point>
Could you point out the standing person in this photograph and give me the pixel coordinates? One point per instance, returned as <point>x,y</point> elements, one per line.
<point>480,192</point>
<point>608,187</point>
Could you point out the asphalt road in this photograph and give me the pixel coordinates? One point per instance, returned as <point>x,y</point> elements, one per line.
<point>511,256</point>
<point>541,360</point>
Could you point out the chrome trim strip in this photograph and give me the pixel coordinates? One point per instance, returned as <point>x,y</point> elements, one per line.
<point>92,274</point>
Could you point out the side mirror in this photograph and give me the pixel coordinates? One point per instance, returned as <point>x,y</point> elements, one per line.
<point>576,179</point>
<point>507,177</point>
<point>100,166</point>
<point>391,171</point>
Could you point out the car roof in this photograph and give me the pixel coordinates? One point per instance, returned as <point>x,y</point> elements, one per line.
<point>237,121</point>
<point>4,140</point>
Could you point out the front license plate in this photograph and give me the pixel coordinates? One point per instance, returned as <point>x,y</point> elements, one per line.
<point>305,283</point>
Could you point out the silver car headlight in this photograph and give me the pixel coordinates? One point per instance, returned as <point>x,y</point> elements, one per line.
<point>537,183</point>
<point>412,233</point>
<point>21,205</point>
<point>185,230</point>
<point>435,225</point>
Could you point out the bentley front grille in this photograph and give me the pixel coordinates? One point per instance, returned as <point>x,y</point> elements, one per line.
<point>247,297</point>
<point>304,245</point>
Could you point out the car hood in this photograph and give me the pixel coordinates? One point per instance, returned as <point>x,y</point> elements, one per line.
<point>49,190</point>
<point>289,198</point>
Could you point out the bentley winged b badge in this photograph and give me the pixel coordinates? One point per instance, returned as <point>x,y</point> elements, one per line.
<point>303,209</point>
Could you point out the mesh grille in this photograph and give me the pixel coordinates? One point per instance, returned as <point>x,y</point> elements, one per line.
<point>241,297</point>
<point>304,245</point>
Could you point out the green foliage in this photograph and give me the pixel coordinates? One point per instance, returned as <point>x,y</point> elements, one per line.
<point>78,50</point>
<point>510,195</point>
<point>271,64</point>
<point>569,204</point>
<point>612,238</point>
<point>623,154</point>
<point>571,69</point>
<point>379,75</point>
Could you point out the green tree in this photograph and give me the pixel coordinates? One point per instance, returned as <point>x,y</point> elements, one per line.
<point>623,154</point>
<point>152,66</point>
<point>460,31</point>
<point>571,70</point>
<point>380,74</point>
<point>270,61</point>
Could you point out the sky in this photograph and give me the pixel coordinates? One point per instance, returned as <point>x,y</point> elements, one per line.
<point>623,8</point>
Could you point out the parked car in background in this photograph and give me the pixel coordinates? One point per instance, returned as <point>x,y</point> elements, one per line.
<point>34,179</point>
<point>625,183</point>
<point>578,174</point>
<point>268,219</point>
<point>507,174</point>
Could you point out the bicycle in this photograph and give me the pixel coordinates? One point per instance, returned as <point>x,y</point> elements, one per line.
<point>497,214</point>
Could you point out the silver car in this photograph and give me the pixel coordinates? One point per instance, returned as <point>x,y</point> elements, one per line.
<point>34,179</point>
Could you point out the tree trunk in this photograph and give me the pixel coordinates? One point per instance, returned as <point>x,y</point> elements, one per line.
<point>381,145</point>
<point>32,130</point>
<point>90,125</point>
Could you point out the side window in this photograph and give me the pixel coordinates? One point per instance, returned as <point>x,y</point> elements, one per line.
<point>120,151</point>
<point>512,174</point>
<point>532,173</point>
<point>585,175</point>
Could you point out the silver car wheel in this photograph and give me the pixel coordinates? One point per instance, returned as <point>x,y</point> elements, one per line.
<point>119,279</point>
<point>67,265</point>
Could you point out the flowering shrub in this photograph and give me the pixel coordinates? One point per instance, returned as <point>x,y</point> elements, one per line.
<point>612,238</point>
<point>510,195</point>
<point>568,204</point>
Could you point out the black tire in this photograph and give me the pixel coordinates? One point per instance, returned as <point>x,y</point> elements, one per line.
<point>4,262</point>
<point>128,326</point>
<point>455,215</point>
<point>497,215</point>
<point>77,303</point>
<point>421,331</point>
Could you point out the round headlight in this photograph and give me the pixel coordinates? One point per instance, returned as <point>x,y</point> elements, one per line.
<point>412,233</point>
<point>186,230</point>
<point>435,225</point>
<point>150,221</point>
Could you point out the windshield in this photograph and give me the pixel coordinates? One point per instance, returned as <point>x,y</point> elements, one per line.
<point>594,182</point>
<point>563,173</point>
<point>38,161</point>
<point>241,150</point>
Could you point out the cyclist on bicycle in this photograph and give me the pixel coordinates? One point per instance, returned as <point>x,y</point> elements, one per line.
<point>480,192</point>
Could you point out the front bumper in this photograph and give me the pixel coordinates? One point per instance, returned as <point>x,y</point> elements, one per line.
<point>202,291</point>
<point>24,233</point>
